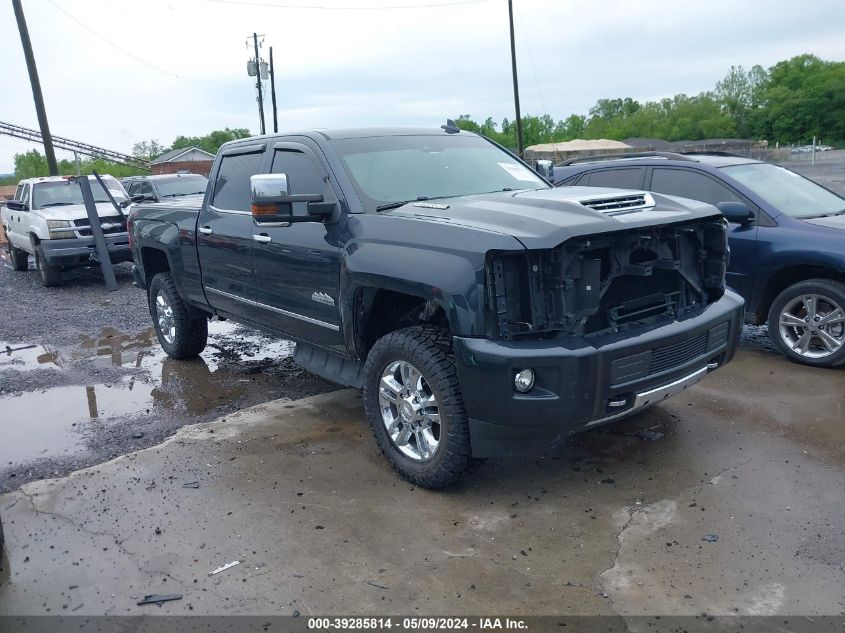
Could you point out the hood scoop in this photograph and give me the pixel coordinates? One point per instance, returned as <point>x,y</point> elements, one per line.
<point>620,204</point>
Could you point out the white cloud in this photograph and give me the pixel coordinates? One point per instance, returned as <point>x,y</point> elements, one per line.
<point>394,67</point>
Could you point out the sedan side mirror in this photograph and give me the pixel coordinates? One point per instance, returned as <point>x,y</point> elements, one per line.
<point>272,201</point>
<point>546,169</point>
<point>736,212</point>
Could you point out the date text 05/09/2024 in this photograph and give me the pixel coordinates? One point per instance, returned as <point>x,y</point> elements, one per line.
<point>416,623</point>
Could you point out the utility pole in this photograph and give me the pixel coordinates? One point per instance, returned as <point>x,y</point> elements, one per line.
<point>258,85</point>
<point>273,92</point>
<point>519,144</point>
<point>40,111</point>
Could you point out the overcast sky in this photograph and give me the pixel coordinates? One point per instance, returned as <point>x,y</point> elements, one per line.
<point>182,69</point>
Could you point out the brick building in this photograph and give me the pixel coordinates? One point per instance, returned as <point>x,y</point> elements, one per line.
<point>191,159</point>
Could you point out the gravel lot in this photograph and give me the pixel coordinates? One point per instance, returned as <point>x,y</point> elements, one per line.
<point>84,367</point>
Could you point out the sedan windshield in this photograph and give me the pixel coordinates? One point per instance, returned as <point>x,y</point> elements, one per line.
<point>785,190</point>
<point>393,169</point>
<point>181,186</point>
<point>65,192</point>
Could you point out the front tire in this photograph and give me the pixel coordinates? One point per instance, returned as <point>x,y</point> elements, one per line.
<point>807,323</point>
<point>20,259</point>
<point>180,336</point>
<point>414,406</point>
<point>50,275</point>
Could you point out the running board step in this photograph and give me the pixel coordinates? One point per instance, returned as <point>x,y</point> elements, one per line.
<point>343,371</point>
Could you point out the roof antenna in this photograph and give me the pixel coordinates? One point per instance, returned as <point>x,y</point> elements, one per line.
<point>451,127</point>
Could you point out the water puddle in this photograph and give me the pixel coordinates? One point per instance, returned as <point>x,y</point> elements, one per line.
<point>26,357</point>
<point>143,383</point>
<point>53,422</point>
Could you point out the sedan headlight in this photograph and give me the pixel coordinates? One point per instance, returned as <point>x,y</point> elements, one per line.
<point>60,229</point>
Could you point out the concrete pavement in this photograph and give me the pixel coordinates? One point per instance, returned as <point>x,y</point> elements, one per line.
<point>725,499</point>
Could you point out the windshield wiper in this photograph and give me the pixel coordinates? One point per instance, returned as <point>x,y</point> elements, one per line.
<point>402,203</point>
<point>56,204</point>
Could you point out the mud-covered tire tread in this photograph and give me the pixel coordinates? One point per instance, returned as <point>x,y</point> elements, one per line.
<point>819,286</point>
<point>20,259</point>
<point>191,334</point>
<point>429,348</point>
<point>50,276</point>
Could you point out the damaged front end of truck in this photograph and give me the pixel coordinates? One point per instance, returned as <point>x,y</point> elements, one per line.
<point>610,282</point>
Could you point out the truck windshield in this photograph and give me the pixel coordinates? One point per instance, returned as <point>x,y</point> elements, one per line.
<point>181,186</point>
<point>785,190</point>
<point>391,169</point>
<point>66,192</point>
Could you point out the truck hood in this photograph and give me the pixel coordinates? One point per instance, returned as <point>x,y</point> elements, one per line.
<point>544,218</point>
<point>77,212</point>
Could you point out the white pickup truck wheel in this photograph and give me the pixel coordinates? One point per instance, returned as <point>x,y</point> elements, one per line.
<point>50,275</point>
<point>20,259</point>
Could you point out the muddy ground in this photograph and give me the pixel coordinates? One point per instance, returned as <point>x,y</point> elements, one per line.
<point>83,379</point>
<point>724,500</point>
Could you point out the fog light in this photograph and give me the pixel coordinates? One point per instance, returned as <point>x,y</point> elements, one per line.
<point>523,381</point>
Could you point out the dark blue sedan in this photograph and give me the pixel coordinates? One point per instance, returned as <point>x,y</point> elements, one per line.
<point>787,238</point>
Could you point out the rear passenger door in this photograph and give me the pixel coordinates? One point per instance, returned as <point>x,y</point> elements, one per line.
<point>697,185</point>
<point>297,265</point>
<point>224,232</point>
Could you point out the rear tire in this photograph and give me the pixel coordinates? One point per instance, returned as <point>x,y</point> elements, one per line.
<point>414,406</point>
<point>807,323</point>
<point>180,335</point>
<point>20,259</point>
<point>50,275</point>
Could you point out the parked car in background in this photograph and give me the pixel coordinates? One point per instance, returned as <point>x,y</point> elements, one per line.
<point>158,188</point>
<point>47,218</point>
<point>787,238</point>
<point>482,311</point>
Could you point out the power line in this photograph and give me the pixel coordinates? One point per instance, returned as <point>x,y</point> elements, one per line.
<point>116,46</point>
<point>320,7</point>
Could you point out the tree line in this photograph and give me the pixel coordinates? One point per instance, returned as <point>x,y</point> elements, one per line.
<point>790,102</point>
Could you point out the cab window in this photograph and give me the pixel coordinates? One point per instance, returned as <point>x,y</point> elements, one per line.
<point>627,178</point>
<point>231,186</point>
<point>690,184</point>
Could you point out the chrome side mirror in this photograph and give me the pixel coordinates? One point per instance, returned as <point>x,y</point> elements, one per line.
<point>269,189</point>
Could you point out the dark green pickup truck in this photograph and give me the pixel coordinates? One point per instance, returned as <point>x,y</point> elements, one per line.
<point>481,311</point>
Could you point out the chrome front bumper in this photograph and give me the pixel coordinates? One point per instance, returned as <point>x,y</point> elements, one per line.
<point>653,396</point>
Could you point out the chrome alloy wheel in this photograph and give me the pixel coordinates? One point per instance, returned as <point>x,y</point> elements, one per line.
<point>409,410</point>
<point>164,315</point>
<point>813,326</point>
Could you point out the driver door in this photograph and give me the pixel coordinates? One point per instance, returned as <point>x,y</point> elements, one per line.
<point>297,264</point>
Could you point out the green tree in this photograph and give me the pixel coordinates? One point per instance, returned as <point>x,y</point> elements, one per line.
<point>148,149</point>
<point>210,142</point>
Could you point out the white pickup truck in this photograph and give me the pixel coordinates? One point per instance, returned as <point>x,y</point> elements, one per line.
<point>47,219</point>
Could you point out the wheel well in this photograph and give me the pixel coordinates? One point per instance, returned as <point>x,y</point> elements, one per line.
<point>34,239</point>
<point>784,278</point>
<point>154,261</point>
<point>379,312</point>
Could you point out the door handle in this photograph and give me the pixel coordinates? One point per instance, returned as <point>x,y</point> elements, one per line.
<point>205,230</point>
<point>262,238</point>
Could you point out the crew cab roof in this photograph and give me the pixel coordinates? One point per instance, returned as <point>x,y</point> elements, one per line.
<point>347,133</point>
